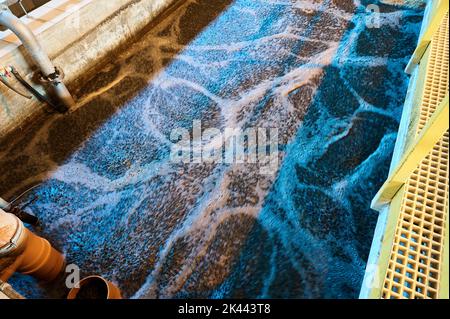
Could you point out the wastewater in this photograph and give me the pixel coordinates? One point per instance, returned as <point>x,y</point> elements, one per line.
<point>326,76</point>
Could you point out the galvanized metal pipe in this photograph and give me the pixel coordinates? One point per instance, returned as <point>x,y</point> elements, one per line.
<point>36,51</point>
<point>4,204</point>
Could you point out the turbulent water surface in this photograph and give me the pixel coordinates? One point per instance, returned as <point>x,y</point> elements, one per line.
<point>111,199</point>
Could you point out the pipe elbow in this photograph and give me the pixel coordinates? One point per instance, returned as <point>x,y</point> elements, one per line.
<point>28,39</point>
<point>37,53</point>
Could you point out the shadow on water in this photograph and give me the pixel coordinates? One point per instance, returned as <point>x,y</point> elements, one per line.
<point>318,210</point>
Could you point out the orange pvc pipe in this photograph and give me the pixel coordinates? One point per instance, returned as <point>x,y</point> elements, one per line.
<point>24,252</point>
<point>111,291</point>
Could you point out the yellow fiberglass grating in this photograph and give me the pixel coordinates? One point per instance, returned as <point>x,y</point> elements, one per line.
<point>415,260</point>
<point>436,79</point>
<point>417,253</point>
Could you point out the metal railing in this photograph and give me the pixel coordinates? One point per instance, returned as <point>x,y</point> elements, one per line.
<point>23,7</point>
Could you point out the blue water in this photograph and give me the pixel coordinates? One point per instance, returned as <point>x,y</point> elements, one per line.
<point>110,198</point>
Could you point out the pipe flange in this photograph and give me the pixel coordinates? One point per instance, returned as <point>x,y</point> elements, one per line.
<point>55,77</point>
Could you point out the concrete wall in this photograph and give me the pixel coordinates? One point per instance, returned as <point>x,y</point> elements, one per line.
<point>78,43</point>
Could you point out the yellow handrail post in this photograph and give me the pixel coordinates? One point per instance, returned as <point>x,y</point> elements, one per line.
<point>429,136</point>
<point>425,40</point>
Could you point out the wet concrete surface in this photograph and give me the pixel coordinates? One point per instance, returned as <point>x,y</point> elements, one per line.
<point>111,199</point>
